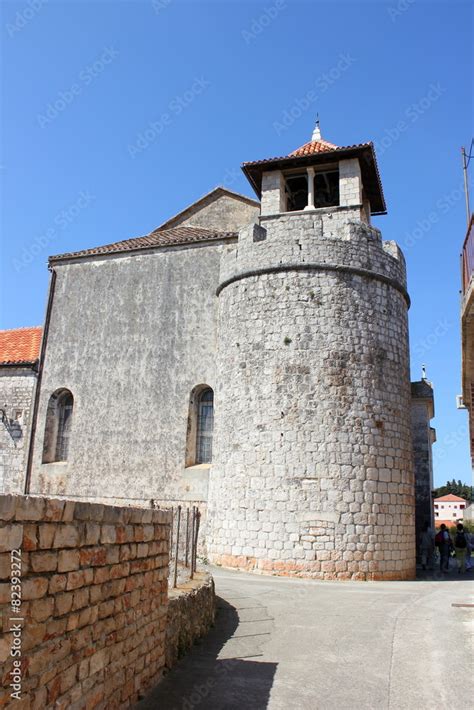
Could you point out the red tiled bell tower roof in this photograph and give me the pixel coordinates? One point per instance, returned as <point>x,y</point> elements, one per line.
<point>318,151</point>
<point>317,144</point>
<point>313,147</point>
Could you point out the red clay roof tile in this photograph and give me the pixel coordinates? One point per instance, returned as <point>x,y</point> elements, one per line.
<point>450,497</point>
<point>20,346</point>
<point>158,238</point>
<point>312,147</point>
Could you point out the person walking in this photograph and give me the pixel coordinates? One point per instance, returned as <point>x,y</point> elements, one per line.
<point>470,540</point>
<point>427,547</point>
<point>443,543</point>
<point>460,545</point>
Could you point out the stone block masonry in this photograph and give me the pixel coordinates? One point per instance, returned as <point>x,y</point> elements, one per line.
<point>312,471</point>
<point>191,613</point>
<point>94,594</point>
<point>16,392</point>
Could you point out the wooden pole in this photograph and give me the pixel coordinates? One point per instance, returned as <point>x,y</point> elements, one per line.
<point>175,578</point>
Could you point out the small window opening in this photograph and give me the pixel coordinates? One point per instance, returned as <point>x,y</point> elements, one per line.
<point>326,189</point>
<point>296,189</point>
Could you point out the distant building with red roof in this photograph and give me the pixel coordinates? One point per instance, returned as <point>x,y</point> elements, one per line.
<point>449,509</point>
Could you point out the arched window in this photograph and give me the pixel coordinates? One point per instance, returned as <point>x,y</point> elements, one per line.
<point>205,426</point>
<point>200,426</point>
<point>58,426</point>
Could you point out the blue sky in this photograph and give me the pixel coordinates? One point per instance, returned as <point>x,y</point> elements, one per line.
<point>116,115</point>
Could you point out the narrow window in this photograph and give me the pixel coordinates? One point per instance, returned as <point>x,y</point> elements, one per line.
<point>326,189</point>
<point>64,426</point>
<point>205,425</point>
<point>58,426</point>
<point>296,188</point>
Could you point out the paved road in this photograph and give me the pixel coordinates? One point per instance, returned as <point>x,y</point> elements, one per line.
<point>283,644</point>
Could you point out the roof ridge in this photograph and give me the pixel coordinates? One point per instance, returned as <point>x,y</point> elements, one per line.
<point>173,236</point>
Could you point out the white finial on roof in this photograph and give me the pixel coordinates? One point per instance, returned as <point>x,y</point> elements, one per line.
<point>423,372</point>
<point>316,132</point>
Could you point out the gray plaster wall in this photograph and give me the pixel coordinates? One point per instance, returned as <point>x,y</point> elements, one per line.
<point>16,393</point>
<point>130,336</point>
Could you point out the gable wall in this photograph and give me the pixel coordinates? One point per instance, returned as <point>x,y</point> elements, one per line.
<point>224,214</point>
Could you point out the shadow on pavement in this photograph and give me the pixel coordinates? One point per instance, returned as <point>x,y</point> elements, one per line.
<point>204,681</point>
<point>452,575</point>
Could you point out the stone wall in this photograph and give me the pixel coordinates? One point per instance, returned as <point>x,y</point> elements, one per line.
<point>16,399</point>
<point>94,580</point>
<point>422,411</point>
<point>273,193</point>
<point>191,613</point>
<point>312,471</point>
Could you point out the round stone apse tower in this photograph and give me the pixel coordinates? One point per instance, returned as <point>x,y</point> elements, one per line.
<point>312,469</point>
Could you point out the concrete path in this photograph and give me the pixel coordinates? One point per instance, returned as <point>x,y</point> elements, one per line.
<point>283,644</point>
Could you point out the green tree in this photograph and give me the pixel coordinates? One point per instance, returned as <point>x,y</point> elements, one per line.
<point>463,490</point>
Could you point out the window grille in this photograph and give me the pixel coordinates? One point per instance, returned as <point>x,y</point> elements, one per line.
<point>205,425</point>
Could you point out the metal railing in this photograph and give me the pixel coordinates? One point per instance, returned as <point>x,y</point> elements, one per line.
<point>467,257</point>
<point>184,539</point>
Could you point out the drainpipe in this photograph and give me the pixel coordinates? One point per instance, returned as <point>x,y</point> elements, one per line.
<point>34,416</point>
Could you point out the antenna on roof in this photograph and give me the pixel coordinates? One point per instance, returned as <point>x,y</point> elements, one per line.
<point>466,159</point>
<point>316,131</point>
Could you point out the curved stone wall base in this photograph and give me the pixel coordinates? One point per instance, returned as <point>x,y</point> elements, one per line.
<point>365,570</point>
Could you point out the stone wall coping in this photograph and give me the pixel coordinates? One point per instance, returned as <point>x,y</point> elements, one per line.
<point>201,579</point>
<point>41,509</point>
<point>315,211</point>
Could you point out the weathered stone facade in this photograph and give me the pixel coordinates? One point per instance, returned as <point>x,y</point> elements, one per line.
<point>151,324</point>
<point>17,386</point>
<point>91,627</point>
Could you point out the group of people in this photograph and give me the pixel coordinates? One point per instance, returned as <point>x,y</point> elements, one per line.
<point>442,542</point>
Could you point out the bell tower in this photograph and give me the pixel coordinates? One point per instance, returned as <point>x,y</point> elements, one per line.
<point>312,471</point>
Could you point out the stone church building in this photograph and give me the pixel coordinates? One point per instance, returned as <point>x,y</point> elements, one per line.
<point>251,357</point>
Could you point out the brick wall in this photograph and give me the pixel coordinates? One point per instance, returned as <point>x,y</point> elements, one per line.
<point>94,601</point>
